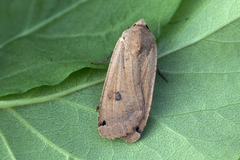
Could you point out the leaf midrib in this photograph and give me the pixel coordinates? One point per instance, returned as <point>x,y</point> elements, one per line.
<point>27,101</point>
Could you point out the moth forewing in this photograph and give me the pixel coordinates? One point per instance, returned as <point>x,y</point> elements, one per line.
<point>127,93</point>
<point>148,73</point>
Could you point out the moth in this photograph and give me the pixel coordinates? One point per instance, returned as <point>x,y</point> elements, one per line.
<point>128,89</point>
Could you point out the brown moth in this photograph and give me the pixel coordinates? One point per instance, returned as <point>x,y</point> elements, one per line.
<point>127,93</point>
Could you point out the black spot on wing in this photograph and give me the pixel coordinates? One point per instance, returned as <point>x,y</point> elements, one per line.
<point>118,96</point>
<point>102,124</point>
<point>137,129</point>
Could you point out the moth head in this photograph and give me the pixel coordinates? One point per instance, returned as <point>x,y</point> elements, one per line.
<point>141,22</point>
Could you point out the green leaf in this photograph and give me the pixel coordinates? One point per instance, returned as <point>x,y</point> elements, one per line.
<point>193,116</point>
<point>43,42</point>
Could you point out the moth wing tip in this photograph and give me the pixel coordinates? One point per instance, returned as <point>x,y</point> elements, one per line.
<point>132,137</point>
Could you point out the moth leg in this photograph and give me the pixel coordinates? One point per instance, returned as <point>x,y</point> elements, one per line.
<point>161,75</point>
<point>97,108</point>
<point>103,60</point>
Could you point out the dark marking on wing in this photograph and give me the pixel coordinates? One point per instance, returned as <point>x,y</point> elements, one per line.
<point>138,130</point>
<point>118,96</point>
<point>102,124</point>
